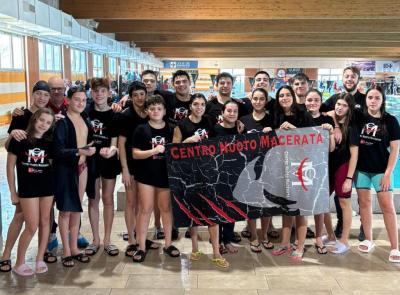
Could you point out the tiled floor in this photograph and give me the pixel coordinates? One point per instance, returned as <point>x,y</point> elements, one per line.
<point>352,273</point>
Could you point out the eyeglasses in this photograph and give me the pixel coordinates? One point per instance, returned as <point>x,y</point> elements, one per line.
<point>57,89</point>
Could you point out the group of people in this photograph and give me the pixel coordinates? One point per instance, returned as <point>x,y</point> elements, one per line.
<point>64,148</point>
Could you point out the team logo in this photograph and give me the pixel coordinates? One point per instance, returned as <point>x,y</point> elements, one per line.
<point>181,113</point>
<point>98,126</point>
<point>370,129</point>
<point>252,131</point>
<point>202,133</point>
<point>36,155</point>
<point>305,173</point>
<point>155,141</point>
<point>220,119</point>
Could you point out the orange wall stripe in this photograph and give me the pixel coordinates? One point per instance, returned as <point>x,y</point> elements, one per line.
<point>46,75</point>
<point>12,97</point>
<point>5,119</point>
<point>7,77</point>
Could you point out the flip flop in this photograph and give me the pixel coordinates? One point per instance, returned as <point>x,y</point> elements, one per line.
<point>67,261</point>
<point>23,270</point>
<point>267,244</point>
<point>325,240</point>
<point>281,250</point>
<point>139,256</point>
<point>273,234</point>
<point>41,267</point>
<point>195,256</point>
<point>296,256</point>
<point>130,250</point>
<point>369,245</point>
<point>81,257</point>
<point>321,250</point>
<point>170,251</point>
<point>245,233</point>
<point>49,257</point>
<point>150,245</point>
<point>340,248</point>
<point>220,262</point>
<point>255,248</point>
<point>394,256</point>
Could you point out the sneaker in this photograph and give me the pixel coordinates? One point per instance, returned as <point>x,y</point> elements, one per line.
<point>53,242</point>
<point>361,235</point>
<point>82,241</point>
<point>175,233</point>
<point>338,231</point>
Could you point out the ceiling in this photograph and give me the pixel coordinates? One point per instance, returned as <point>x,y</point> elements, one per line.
<point>238,28</point>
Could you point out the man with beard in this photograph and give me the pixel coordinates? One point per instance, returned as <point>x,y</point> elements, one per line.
<point>351,77</point>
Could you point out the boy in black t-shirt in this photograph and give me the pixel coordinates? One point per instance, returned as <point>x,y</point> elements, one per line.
<point>151,175</point>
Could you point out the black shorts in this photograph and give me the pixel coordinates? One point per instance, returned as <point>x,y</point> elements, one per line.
<point>107,168</point>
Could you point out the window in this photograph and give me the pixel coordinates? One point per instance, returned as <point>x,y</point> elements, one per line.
<point>97,65</point>
<point>112,66</point>
<point>50,57</point>
<point>78,61</point>
<point>11,51</point>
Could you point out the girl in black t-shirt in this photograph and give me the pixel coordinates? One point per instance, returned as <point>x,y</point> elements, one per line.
<point>378,154</point>
<point>313,103</point>
<point>228,126</point>
<point>196,128</point>
<point>148,149</point>
<point>342,165</point>
<point>258,121</point>
<point>32,157</point>
<point>289,116</point>
<point>103,122</point>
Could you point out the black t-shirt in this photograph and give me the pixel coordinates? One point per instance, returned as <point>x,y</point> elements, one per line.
<point>204,128</point>
<point>153,170</point>
<point>300,120</point>
<point>302,107</point>
<point>252,125</point>
<point>323,119</point>
<point>128,122</point>
<point>104,126</point>
<point>214,110</point>
<point>341,154</point>
<point>219,130</point>
<point>269,107</point>
<point>177,109</point>
<point>329,104</point>
<point>375,137</point>
<point>20,122</point>
<point>34,171</point>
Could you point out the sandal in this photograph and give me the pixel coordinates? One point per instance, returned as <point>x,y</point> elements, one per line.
<point>170,251</point>
<point>236,238</point>
<point>394,256</point>
<point>23,270</point>
<point>41,267</point>
<point>340,248</point>
<point>222,249</point>
<point>68,261</point>
<point>195,256</point>
<point>245,233</point>
<point>321,249</point>
<point>5,265</point>
<point>125,236</point>
<point>81,257</point>
<point>325,240</point>
<point>256,248</point>
<point>220,262</point>
<point>130,250</point>
<point>49,257</point>
<point>111,250</point>
<point>267,244</point>
<point>366,246</point>
<point>139,256</point>
<point>281,250</point>
<point>150,245</point>
<point>296,256</point>
<point>273,234</point>
<point>91,249</point>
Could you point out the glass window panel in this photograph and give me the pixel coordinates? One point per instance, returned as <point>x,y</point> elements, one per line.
<point>49,57</point>
<point>337,72</point>
<point>324,71</point>
<point>5,51</point>
<point>57,57</point>
<point>17,49</point>
<point>82,61</point>
<point>42,57</point>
